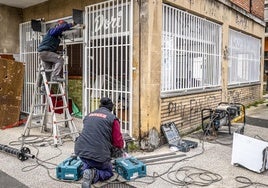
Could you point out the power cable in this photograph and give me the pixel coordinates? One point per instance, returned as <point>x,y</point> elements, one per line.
<point>36,141</point>
<point>259,137</point>
<point>199,177</point>
<point>187,175</point>
<point>247,182</point>
<point>40,162</point>
<point>32,140</point>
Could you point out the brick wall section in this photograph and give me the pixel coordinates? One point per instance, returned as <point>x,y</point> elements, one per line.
<point>244,95</point>
<point>257,8</point>
<point>244,4</point>
<point>185,111</point>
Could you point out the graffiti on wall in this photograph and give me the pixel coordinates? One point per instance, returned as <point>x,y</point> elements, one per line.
<point>242,95</point>
<point>241,21</point>
<point>191,1</point>
<point>211,8</point>
<point>190,110</point>
<point>225,17</point>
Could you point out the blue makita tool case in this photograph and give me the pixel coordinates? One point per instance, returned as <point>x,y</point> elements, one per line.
<point>70,169</point>
<point>130,168</point>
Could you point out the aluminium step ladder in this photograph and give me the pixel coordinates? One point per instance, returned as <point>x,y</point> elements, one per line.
<point>42,102</point>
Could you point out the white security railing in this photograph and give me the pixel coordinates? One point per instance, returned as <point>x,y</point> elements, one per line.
<point>191,52</point>
<point>108,58</point>
<point>244,58</point>
<point>29,41</point>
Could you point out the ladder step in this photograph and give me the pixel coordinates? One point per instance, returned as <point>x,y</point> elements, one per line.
<point>60,108</point>
<point>44,102</point>
<point>65,134</point>
<point>40,105</point>
<point>54,82</point>
<point>40,93</point>
<point>37,115</point>
<point>64,120</point>
<point>57,95</point>
<point>36,125</point>
<point>46,70</point>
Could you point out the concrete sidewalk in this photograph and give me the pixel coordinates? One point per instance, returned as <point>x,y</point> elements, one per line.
<point>214,158</point>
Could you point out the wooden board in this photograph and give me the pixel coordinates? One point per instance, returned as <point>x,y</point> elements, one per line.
<point>11,85</point>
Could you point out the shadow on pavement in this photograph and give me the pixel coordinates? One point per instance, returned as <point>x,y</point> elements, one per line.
<point>8,181</point>
<point>257,122</point>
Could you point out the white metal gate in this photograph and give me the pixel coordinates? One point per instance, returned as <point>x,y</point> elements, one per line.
<point>29,41</point>
<point>108,58</point>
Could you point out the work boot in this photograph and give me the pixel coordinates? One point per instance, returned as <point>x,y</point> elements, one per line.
<point>88,177</point>
<point>58,79</point>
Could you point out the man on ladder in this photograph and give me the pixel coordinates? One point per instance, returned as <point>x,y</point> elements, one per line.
<point>48,51</point>
<point>51,62</point>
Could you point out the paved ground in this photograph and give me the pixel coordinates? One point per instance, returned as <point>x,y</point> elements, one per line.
<point>8,181</point>
<point>211,159</point>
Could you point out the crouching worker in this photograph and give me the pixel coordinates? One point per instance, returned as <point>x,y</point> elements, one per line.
<point>101,133</point>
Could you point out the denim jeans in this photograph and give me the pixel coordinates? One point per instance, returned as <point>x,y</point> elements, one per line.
<point>103,170</point>
<point>52,60</point>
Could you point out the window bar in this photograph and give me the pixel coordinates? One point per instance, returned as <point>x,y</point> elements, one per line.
<point>104,78</point>
<point>210,67</point>
<point>183,50</point>
<point>108,45</point>
<point>191,50</point>
<point>86,68</point>
<point>119,96</point>
<point>176,46</point>
<point>91,64</point>
<point>186,50</point>
<point>165,53</point>
<point>180,52</point>
<point>113,47</point>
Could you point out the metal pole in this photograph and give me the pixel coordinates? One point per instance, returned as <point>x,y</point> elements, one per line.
<point>154,156</point>
<point>162,158</point>
<point>65,75</point>
<point>267,81</point>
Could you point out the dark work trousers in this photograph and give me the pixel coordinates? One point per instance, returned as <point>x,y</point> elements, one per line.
<point>52,60</point>
<point>103,170</point>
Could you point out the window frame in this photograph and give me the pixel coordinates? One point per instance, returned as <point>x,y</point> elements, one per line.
<point>187,45</point>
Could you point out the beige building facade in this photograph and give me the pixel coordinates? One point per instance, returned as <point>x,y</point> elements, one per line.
<point>182,57</point>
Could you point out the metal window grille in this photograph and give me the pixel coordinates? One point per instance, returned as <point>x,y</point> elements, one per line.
<point>108,58</point>
<point>244,58</point>
<point>190,52</point>
<point>29,41</point>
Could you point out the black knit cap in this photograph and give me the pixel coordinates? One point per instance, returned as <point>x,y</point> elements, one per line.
<point>107,103</point>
